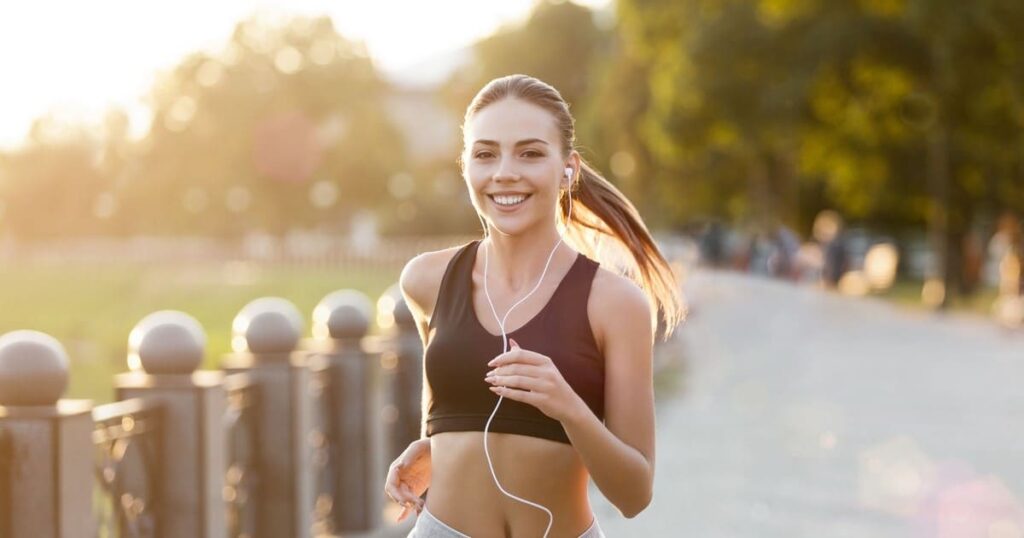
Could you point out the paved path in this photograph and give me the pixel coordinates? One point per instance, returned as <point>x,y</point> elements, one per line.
<point>802,413</point>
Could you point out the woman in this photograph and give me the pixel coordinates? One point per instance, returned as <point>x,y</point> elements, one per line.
<point>538,362</point>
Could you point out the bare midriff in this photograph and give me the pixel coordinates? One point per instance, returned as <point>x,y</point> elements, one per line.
<point>464,496</point>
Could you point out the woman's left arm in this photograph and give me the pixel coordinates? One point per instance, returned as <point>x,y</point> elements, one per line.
<point>619,454</point>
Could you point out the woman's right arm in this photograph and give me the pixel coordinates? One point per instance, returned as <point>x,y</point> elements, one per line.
<point>413,282</point>
<point>420,283</point>
<point>409,475</point>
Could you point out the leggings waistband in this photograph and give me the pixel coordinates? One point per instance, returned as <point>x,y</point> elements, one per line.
<point>434,519</point>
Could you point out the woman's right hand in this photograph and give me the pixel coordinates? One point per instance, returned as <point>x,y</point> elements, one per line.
<point>409,476</point>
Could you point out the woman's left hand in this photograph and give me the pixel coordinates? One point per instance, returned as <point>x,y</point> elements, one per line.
<point>533,378</point>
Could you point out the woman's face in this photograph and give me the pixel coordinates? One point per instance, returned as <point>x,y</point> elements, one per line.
<point>514,165</point>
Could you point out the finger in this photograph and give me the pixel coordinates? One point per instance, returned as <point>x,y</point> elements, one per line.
<point>519,382</point>
<point>407,491</point>
<point>515,345</point>
<point>402,514</point>
<point>517,355</point>
<point>516,394</point>
<point>530,370</point>
<point>398,492</point>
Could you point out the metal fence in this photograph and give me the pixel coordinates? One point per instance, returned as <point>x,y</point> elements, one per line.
<point>127,468</point>
<point>6,464</point>
<point>241,481</point>
<point>266,447</point>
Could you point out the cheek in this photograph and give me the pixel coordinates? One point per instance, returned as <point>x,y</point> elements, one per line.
<point>474,182</point>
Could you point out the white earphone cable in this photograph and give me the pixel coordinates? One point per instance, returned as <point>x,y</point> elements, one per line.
<point>504,344</point>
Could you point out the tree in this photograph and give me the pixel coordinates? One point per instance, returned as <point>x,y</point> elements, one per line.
<point>559,43</point>
<point>50,185</point>
<point>286,128</point>
<point>893,111</point>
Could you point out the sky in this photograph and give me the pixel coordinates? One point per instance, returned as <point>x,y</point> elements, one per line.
<point>76,59</point>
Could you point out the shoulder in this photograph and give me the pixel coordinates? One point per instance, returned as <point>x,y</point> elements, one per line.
<point>421,278</point>
<point>617,305</point>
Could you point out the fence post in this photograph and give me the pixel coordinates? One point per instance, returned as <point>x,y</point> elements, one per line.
<point>165,348</point>
<point>265,334</point>
<point>340,323</point>
<point>6,462</point>
<point>49,441</point>
<point>402,364</point>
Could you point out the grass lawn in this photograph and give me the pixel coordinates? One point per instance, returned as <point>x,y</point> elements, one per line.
<point>91,309</point>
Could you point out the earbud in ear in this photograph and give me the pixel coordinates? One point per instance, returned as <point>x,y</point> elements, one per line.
<point>568,172</point>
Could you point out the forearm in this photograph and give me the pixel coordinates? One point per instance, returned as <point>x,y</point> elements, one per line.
<point>621,472</point>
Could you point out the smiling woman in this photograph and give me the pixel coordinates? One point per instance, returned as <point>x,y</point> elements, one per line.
<point>565,340</point>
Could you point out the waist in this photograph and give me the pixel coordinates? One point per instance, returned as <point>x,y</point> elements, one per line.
<point>545,472</point>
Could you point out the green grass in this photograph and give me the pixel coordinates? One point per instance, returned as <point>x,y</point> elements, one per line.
<point>908,293</point>
<point>91,309</point>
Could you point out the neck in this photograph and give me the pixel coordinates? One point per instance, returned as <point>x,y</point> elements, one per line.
<point>516,262</point>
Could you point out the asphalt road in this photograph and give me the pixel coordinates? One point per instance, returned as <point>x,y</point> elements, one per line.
<point>797,412</point>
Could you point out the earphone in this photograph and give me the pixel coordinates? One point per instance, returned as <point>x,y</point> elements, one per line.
<point>504,346</point>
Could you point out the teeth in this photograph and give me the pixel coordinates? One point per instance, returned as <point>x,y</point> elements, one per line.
<point>509,200</point>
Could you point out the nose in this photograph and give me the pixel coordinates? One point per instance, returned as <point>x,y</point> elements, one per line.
<point>506,170</point>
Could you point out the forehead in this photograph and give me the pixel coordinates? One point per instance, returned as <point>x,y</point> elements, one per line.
<point>510,120</point>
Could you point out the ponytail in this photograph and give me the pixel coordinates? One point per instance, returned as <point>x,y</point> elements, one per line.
<point>607,227</point>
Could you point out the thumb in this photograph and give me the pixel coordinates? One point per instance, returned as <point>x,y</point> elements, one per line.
<point>515,345</point>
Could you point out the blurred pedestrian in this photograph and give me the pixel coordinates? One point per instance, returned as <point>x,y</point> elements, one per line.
<point>829,233</point>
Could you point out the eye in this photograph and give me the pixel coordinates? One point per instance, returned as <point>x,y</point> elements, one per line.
<point>531,153</point>
<point>482,155</point>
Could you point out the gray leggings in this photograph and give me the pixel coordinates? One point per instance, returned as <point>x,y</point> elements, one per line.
<point>428,526</point>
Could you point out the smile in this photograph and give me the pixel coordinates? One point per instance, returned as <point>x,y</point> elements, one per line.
<point>509,200</point>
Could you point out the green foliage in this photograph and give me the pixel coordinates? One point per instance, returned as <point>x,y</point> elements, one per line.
<point>750,105</point>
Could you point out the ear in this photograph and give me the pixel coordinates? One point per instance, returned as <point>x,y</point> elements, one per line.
<point>575,162</point>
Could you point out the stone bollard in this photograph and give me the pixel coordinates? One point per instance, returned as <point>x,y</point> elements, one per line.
<point>340,324</point>
<point>47,442</point>
<point>402,363</point>
<point>165,348</point>
<point>265,334</point>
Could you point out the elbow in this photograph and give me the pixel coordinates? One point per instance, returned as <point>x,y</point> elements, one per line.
<point>639,504</point>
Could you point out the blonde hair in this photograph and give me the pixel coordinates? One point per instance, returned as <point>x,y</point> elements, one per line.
<point>605,225</point>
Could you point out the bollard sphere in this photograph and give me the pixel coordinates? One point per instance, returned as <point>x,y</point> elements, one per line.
<point>166,342</point>
<point>392,312</point>
<point>342,314</point>
<point>267,325</point>
<point>33,369</point>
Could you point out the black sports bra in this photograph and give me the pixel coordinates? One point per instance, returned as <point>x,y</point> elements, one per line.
<point>456,357</point>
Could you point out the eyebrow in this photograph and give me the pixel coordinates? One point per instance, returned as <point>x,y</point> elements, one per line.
<point>520,143</point>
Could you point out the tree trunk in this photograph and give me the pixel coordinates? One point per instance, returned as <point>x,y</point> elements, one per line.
<point>938,219</point>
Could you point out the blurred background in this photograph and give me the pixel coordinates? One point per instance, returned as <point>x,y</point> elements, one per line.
<point>202,148</point>
<point>194,156</point>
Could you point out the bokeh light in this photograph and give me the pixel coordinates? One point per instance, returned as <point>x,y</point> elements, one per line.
<point>323,194</point>
<point>286,147</point>
<point>195,200</point>
<point>237,199</point>
<point>880,264</point>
